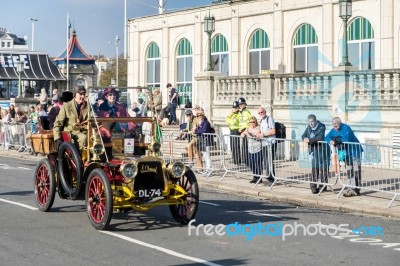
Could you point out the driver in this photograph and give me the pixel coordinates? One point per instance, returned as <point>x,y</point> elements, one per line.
<point>71,113</point>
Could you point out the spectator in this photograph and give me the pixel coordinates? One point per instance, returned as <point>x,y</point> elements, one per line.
<point>56,97</point>
<point>66,96</point>
<point>344,139</point>
<point>72,112</point>
<point>12,111</point>
<point>267,128</point>
<point>149,111</point>
<point>254,149</point>
<point>5,116</point>
<point>233,122</point>
<point>21,119</point>
<point>43,99</point>
<point>140,108</point>
<point>193,151</point>
<point>110,107</point>
<point>157,102</point>
<point>173,99</point>
<point>320,152</point>
<point>40,109</point>
<point>244,115</point>
<point>34,115</point>
<point>141,94</point>
<point>204,142</point>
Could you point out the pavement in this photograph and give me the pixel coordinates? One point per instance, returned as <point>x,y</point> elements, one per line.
<point>369,203</point>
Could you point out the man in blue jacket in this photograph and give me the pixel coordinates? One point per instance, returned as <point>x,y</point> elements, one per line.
<point>349,151</point>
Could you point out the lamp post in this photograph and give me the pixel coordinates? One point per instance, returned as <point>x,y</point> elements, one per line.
<point>125,30</point>
<point>116,56</point>
<point>209,28</point>
<point>20,69</point>
<point>33,30</point>
<point>345,9</point>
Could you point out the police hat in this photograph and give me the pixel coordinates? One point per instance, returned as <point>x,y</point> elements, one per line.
<point>235,104</point>
<point>241,101</point>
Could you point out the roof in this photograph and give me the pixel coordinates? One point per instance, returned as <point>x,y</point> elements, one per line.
<point>36,66</point>
<point>76,54</point>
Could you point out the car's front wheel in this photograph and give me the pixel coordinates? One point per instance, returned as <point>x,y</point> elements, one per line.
<point>44,183</point>
<point>184,213</point>
<point>99,199</point>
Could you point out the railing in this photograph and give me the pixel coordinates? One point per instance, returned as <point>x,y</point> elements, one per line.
<point>356,169</point>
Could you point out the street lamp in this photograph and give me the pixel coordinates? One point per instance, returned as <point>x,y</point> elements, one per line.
<point>116,45</point>
<point>20,69</point>
<point>345,13</point>
<point>209,28</point>
<point>33,30</point>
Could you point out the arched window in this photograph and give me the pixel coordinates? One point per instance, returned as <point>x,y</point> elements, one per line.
<point>305,46</point>
<point>184,71</point>
<point>259,52</point>
<point>219,54</point>
<point>361,43</point>
<point>153,61</point>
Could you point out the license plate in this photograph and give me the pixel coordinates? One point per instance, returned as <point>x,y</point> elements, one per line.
<point>149,193</point>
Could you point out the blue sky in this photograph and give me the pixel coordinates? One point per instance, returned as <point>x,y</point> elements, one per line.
<point>97,22</point>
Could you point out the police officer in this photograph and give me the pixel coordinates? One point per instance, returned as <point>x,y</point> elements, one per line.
<point>233,121</point>
<point>244,123</point>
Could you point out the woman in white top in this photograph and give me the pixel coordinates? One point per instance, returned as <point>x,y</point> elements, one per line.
<point>254,149</point>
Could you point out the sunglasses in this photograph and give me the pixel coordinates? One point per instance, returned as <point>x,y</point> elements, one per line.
<point>252,122</point>
<point>189,115</point>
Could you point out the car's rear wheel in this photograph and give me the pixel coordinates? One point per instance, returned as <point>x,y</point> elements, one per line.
<point>99,199</point>
<point>44,185</point>
<point>70,169</point>
<point>184,213</point>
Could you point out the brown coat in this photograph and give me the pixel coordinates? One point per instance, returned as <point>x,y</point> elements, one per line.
<point>67,118</point>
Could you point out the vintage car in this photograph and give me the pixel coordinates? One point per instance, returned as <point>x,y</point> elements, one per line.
<point>120,169</point>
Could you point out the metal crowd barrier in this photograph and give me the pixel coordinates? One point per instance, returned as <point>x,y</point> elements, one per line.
<point>235,159</point>
<point>297,161</point>
<point>369,167</point>
<point>16,136</point>
<point>201,153</point>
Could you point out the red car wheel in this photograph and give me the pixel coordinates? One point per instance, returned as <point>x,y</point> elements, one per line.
<point>99,200</point>
<point>184,213</point>
<point>44,185</point>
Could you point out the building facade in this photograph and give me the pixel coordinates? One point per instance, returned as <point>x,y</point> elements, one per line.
<point>281,54</point>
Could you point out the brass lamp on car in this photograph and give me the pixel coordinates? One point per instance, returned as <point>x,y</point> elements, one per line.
<point>97,147</point>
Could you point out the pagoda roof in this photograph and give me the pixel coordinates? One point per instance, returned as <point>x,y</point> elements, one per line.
<point>76,54</point>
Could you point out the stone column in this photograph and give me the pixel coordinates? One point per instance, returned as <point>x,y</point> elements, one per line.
<point>204,94</point>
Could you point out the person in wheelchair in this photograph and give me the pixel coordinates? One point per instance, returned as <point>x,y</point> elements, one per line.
<point>72,113</point>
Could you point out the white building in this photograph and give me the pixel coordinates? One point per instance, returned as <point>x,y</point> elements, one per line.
<point>251,36</point>
<point>9,41</point>
<point>281,54</point>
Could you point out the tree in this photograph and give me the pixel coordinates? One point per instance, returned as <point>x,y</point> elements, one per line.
<point>109,74</point>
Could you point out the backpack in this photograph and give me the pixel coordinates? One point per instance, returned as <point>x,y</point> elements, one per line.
<point>280,131</point>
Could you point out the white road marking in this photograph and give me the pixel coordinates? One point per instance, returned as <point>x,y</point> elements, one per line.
<point>7,167</point>
<point>24,168</point>
<point>257,213</point>
<point>19,204</point>
<point>165,250</point>
<point>209,203</point>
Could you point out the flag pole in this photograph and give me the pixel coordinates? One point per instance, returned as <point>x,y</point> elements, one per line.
<point>67,51</point>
